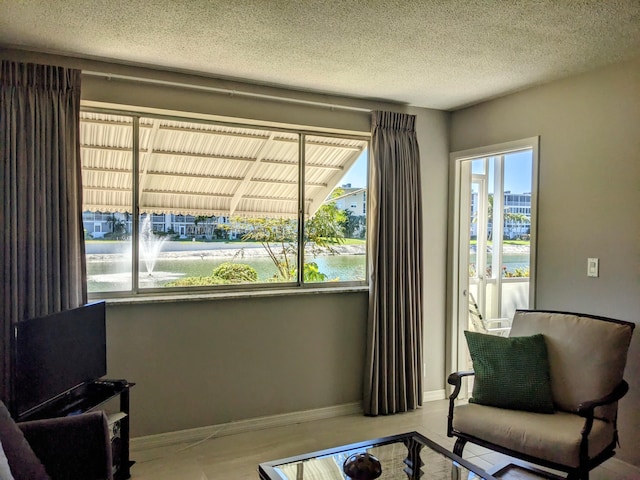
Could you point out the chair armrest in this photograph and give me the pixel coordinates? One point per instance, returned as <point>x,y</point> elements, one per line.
<point>586,409</point>
<point>455,379</point>
<point>72,447</point>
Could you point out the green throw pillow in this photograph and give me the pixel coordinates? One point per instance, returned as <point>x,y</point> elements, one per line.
<point>511,372</point>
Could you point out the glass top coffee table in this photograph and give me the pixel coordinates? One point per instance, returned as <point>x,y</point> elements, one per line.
<point>405,456</point>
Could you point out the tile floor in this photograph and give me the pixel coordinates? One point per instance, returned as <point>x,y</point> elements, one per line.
<point>237,456</point>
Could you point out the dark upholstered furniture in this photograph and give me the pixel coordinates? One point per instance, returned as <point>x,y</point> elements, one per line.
<point>586,361</point>
<point>66,448</point>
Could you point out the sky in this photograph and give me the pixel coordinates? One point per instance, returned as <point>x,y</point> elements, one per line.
<point>517,172</point>
<point>357,175</point>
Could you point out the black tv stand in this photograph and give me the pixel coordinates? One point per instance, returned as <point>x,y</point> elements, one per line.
<point>91,397</point>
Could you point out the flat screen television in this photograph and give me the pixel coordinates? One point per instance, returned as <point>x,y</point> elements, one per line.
<point>56,354</point>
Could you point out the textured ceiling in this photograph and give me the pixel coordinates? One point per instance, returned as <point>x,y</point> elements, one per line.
<point>440,54</point>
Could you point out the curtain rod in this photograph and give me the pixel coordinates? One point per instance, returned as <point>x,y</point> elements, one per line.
<point>227,91</point>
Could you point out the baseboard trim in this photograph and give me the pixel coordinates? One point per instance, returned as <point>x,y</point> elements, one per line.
<point>434,395</point>
<point>203,433</point>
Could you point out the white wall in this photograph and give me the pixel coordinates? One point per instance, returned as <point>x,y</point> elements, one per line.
<point>589,198</point>
<point>432,129</point>
<point>199,363</point>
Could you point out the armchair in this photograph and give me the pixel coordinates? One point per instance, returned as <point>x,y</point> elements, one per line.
<point>66,448</point>
<point>586,361</point>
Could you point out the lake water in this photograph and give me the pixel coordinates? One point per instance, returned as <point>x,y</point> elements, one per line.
<point>115,275</point>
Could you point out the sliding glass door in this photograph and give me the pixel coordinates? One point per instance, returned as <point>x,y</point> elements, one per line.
<point>494,241</point>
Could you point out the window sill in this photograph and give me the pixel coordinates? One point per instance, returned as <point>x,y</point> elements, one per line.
<point>200,296</point>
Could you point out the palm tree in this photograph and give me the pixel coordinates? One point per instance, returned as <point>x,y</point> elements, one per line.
<point>508,217</point>
<point>117,226</point>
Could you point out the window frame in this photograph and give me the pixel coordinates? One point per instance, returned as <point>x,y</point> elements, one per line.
<point>299,285</point>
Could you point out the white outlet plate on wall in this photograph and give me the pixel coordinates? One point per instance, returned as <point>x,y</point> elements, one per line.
<point>592,267</point>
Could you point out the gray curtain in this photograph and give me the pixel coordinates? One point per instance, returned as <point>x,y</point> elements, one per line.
<point>41,235</point>
<point>393,366</point>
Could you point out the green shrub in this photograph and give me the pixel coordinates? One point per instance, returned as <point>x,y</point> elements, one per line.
<point>518,272</point>
<point>225,274</point>
<point>312,273</point>
<point>196,282</point>
<point>235,273</point>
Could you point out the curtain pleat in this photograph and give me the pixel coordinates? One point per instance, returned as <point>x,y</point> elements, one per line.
<point>393,366</point>
<point>42,240</point>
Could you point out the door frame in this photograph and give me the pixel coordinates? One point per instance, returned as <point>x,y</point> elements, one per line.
<point>454,336</point>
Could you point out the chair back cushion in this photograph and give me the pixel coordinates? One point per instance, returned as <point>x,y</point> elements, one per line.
<point>587,354</point>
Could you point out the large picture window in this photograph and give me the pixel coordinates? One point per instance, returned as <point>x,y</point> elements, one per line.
<point>175,204</point>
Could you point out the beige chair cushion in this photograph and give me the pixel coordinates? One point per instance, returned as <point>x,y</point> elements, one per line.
<point>554,437</point>
<point>587,356</point>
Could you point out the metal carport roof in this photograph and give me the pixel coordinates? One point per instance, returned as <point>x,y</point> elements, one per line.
<point>207,169</point>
